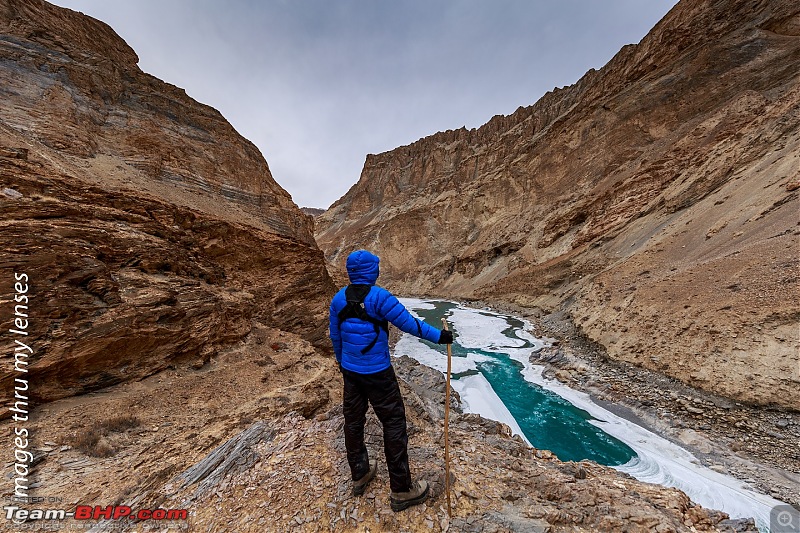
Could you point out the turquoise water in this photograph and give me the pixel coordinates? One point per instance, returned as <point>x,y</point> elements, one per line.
<point>548,421</point>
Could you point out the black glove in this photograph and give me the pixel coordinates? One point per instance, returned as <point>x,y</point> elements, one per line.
<point>339,364</point>
<point>446,337</point>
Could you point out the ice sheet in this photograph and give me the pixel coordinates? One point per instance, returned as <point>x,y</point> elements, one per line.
<point>477,330</point>
<point>478,396</point>
<point>485,330</point>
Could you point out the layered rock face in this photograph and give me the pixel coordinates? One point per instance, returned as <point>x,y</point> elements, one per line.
<point>655,200</point>
<point>150,231</point>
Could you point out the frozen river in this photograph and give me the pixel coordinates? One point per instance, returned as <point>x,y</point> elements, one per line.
<point>494,377</point>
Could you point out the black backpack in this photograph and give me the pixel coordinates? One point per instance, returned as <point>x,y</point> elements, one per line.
<point>355,294</point>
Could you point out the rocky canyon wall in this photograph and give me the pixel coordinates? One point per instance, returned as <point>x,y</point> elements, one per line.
<point>150,231</point>
<point>655,199</point>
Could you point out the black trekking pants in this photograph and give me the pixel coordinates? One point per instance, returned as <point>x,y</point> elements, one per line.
<point>383,393</point>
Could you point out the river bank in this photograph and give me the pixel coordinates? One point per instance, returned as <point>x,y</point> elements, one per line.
<point>754,444</point>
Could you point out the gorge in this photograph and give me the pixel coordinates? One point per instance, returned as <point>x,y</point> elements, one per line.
<point>179,298</point>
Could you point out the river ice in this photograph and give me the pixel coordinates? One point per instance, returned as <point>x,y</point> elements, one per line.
<point>658,460</point>
<point>478,396</point>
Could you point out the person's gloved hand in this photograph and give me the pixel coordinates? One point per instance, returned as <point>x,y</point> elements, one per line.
<point>339,365</point>
<point>446,337</point>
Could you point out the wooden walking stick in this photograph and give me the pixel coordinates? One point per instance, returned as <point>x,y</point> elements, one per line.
<point>447,427</point>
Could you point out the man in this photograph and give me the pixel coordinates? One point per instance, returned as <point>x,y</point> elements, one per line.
<point>359,317</point>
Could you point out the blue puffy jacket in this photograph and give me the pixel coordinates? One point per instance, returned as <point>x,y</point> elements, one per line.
<point>352,335</point>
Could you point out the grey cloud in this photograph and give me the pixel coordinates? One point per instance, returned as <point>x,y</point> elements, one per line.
<point>318,84</point>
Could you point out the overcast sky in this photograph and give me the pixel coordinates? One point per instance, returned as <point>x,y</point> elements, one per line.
<point>319,84</point>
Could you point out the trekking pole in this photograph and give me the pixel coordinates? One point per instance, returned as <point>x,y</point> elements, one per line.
<point>447,428</point>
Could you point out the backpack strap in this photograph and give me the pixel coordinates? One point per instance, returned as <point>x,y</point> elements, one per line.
<point>354,308</point>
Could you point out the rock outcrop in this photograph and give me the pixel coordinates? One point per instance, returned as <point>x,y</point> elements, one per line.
<point>151,233</point>
<point>654,200</point>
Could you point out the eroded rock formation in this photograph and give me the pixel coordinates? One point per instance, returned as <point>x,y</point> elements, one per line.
<point>655,200</point>
<point>150,231</point>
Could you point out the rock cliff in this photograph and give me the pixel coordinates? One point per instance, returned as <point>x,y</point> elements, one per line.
<point>152,233</point>
<point>654,200</point>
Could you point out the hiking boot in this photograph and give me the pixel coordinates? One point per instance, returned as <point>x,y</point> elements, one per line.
<point>361,484</point>
<point>416,495</point>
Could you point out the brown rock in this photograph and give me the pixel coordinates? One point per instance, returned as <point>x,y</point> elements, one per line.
<point>150,231</point>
